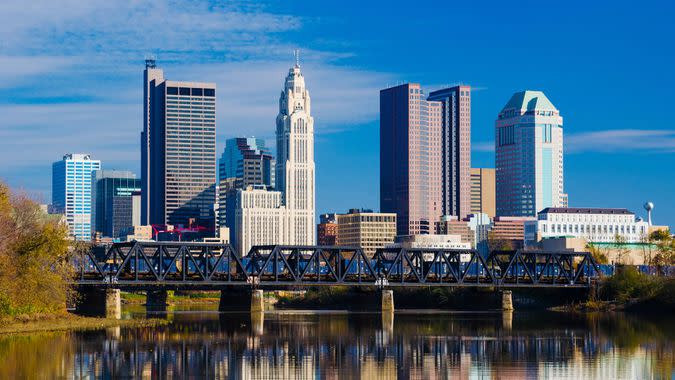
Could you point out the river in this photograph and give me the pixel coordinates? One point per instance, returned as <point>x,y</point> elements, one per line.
<point>293,344</point>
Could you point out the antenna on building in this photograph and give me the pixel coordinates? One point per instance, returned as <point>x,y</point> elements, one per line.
<point>296,53</point>
<point>150,61</point>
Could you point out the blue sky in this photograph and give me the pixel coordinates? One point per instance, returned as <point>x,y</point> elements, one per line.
<point>71,81</point>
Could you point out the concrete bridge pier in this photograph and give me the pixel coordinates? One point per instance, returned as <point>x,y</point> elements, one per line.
<point>234,299</point>
<point>156,299</point>
<point>99,302</point>
<point>387,301</point>
<point>507,300</point>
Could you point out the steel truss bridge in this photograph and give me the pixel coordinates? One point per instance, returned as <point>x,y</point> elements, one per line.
<point>210,265</point>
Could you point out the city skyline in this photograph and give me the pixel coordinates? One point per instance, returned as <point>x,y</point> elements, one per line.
<point>596,133</point>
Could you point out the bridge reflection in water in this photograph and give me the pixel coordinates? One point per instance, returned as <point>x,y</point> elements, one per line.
<point>414,345</point>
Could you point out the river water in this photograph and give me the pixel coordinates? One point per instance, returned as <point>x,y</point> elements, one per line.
<point>329,345</point>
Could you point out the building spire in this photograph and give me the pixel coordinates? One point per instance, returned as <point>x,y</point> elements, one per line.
<point>296,53</point>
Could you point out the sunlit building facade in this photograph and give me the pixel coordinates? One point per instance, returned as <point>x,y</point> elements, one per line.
<point>410,158</point>
<point>71,192</point>
<point>529,155</point>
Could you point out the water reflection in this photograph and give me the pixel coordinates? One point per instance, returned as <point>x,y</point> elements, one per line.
<point>335,345</point>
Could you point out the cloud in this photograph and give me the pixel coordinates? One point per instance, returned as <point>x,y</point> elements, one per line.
<point>621,140</point>
<point>71,75</point>
<point>483,146</point>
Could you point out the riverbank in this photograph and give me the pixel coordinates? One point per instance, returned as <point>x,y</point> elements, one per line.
<point>447,298</point>
<point>173,298</point>
<point>68,321</point>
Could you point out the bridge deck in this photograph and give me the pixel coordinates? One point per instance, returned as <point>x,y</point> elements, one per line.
<point>210,265</point>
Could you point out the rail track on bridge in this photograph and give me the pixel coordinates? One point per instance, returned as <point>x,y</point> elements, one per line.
<point>210,265</point>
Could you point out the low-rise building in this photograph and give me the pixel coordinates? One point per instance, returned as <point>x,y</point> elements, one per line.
<point>508,232</point>
<point>595,225</point>
<point>139,233</point>
<point>366,229</point>
<point>430,241</point>
<point>327,230</point>
<point>452,225</point>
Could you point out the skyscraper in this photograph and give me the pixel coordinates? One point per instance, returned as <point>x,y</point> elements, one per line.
<point>248,160</point>
<point>244,162</point>
<point>178,150</point>
<point>529,155</point>
<point>112,201</point>
<point>286,215</point>
<point>456,148</point>
<point>71,192</point>
<point>410,158</point>
<point>483,191</point>
<point>295,157</point>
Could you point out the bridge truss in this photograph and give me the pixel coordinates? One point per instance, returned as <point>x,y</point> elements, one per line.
<point>208,265</point>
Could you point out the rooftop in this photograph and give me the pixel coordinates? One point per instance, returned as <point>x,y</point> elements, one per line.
<point>529,101</point>
<point>585,210</point>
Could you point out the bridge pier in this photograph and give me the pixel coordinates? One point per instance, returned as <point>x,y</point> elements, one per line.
<point>156,299</point>
<point>507,300</point>
<point>237,299</point>
<point>387,301</point>
<point>99,302</point>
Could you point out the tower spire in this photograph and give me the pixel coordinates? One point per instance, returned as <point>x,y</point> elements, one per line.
<point>296,53</point>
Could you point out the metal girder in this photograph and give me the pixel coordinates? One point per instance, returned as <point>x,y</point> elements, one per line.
<point>211,264</point>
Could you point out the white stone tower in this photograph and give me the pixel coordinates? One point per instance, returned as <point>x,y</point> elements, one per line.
<point>295,158</point>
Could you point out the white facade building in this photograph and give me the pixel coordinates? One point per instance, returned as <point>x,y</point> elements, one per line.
<point>529,156</point>
<point>595,225</point>
<point>284,216</point>
<point>437,241</point>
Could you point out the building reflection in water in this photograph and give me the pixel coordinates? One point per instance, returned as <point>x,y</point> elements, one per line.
<point>325,345</point>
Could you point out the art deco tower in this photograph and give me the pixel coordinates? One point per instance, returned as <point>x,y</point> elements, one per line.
<point>295,157</point>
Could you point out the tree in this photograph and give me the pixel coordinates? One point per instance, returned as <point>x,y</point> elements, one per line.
<point>497,244</point>
<point>599,254</point>
<point>665,248</point>
<point>622,250</point>
<point>34,259</point>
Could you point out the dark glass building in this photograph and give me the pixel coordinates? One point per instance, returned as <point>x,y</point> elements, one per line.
<point>456,148</point>
<point>178,151</point>
<point>112,201</point>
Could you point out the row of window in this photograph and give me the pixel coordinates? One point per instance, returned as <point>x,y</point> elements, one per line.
<point>191,91</point>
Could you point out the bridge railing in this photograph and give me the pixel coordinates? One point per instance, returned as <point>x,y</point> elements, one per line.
<point>212,263</point>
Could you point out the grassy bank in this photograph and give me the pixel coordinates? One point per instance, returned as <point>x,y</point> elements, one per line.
<point>174,298</point>
<point>631,291</point>
<point>66,321</point>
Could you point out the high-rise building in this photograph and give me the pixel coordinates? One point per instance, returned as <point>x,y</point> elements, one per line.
<point>248,160</point>
<point>410,158</point>
<point>529,155</point>
<point>455,149</point>
<point>483,191</point>
<point>112,201</point>
<point>178,150</point>
<point>366,229</point>
<point>71,192</point>
<point>244,162</point>
<point>286,215</point>
<point>327,229</point>
<point>295,171</point>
